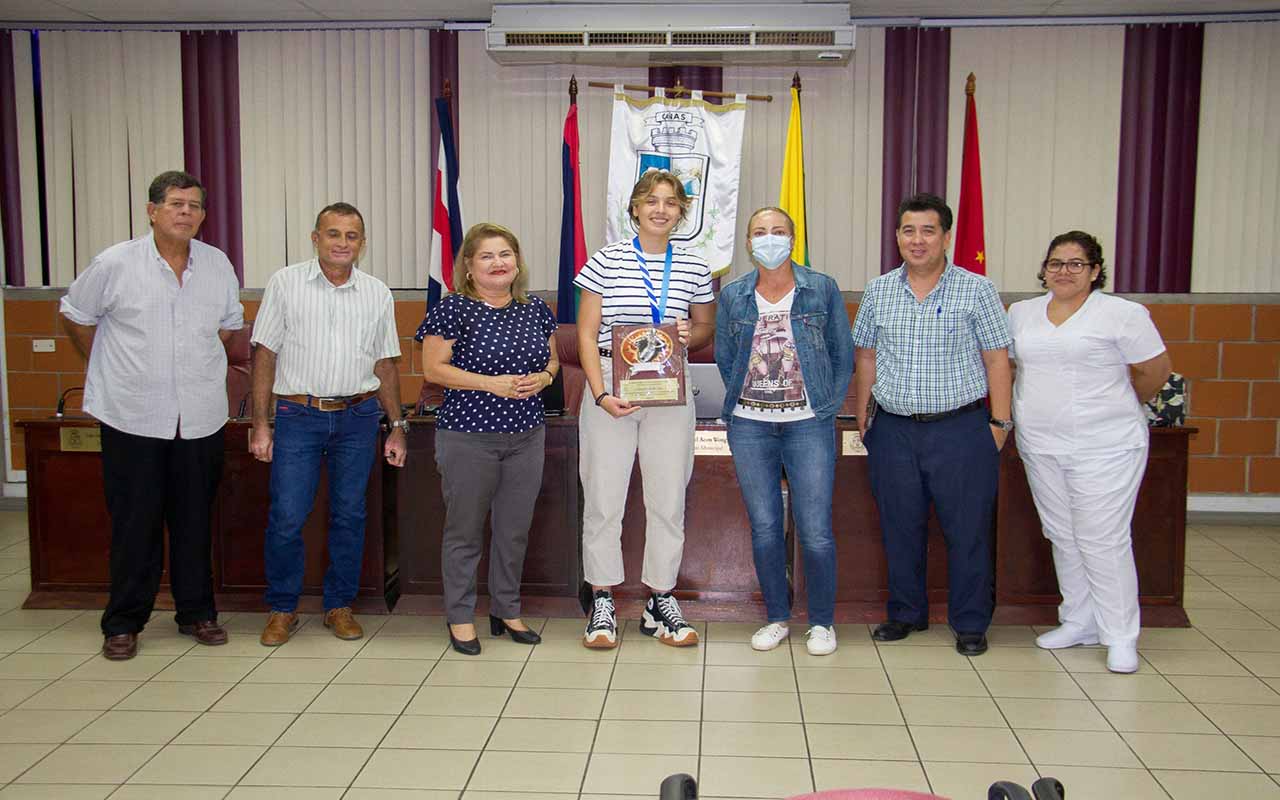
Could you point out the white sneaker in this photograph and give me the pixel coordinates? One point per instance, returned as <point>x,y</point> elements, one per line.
<point>1066,636</point>
<point>1122,658</point>
<point>820,641</point>
<point>770,636</point>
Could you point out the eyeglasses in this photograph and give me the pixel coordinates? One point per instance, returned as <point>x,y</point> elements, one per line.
<point>1073,267</point>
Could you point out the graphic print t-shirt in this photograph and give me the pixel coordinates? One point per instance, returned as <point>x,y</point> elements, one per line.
<point>773,390</point>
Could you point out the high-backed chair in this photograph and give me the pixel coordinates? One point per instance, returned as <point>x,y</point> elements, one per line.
<point>239,380</point>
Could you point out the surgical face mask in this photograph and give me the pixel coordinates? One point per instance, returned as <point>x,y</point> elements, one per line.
<point>771,250</point>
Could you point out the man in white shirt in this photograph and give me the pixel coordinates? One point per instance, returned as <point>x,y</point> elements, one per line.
<point>153,316</point>
<point>326,349</point>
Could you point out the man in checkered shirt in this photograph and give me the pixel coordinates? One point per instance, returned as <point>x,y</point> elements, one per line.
<point>932,343</point>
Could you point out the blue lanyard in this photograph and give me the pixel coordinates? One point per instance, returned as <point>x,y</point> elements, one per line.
<point>658,307</point>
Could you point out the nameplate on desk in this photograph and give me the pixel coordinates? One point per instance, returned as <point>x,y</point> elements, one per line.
<point>80,440</point>
<point>711,443</point>
<point>851,444</point>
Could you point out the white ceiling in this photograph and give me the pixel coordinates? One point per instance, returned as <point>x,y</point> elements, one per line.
<point>187,11</point>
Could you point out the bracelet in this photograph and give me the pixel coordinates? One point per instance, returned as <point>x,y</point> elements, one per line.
<point>600,397</point>
<point>550,377</point>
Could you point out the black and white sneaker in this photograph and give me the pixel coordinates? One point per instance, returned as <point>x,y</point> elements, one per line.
<point>662,619</point>
<point>602,626</point>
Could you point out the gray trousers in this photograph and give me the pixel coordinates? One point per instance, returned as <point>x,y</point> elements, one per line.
<point>495,474</point>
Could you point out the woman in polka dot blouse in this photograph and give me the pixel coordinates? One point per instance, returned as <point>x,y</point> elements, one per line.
<point>492,346</point>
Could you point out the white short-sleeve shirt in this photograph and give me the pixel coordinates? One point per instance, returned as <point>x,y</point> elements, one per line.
<point>1072,393</point>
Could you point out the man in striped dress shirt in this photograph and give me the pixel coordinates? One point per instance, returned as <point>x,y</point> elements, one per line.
<point>326,349</point>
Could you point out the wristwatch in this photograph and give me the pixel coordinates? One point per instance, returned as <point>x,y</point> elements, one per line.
<point>1005,425</point>
<point>402,424</point>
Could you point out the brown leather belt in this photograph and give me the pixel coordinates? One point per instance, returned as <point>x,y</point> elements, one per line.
<point>327,403</point>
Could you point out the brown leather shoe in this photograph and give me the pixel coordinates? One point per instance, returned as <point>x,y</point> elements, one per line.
<point>120,647</point>
<point>280,626</point>
<point>343,625</point>
<point>206,631</point>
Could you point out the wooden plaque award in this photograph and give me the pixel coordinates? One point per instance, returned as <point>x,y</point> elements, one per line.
<point>648,365</point>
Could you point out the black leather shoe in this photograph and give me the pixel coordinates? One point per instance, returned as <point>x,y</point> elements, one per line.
<point>497,627</point>
<point>471,647</point>
<point>892,631</point>
<point>971,644</point>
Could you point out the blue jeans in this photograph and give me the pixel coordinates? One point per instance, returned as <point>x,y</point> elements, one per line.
<point>806,450</point>
<point>346,442</point>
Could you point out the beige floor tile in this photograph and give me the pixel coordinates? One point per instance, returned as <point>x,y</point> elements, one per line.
<point>1153,717</point>
<point>1265,750</point>
<point>138,791</point>
<point>1174,639</point>
<point>406,625</point>
<point>1002,636</point>
<point>1244,719</point>
<point>244,728</point>
<point>641,650</point>
<point>1227,619</point>
<point>36,619</point>
<point>134,727</point>
<point>54,791</point>
<point>1265,603</point>
<point>388,671</point>
<point>759,739</point>
<point>158,696</point>
<point>16,758</point>
<point>964,781</point>
<point>15,690</point>
<point>1247,641</point>
<point>1017,658</point>
<point>1077,748</point>
<point>615,773</point>
<point>639,736</point>
<point>484,673</point>
<point>207,669</point>
<point>1214,689</point>
<point>663,677</point>
<point>735,776</point>
<point>738,654</point>
<point>752,706</point>
<point>1210,599</point>
<point>843,658</point>
<point>917,657</point>
<point>740,632</point>
<point>439,733</point>
<point>1186,785</point>
<point>285,793</point>
<point>360,793</point>
<point>1057,715</point>
<point>851,709</point>
<point>212,765</point>
<point>973,745</point>
<point>407,647</point>
<point>752,679</point>
<point>653,705</point>
<point>308,766</point>
<point>336,730</point>
<point>138,668</point>
<point>1264,665</point>
<point>241,646</point>
<point>417,769</point>
<point>1173,750</point>
<point>458,701</point>
<point>1105,782</point>
<point>965,712</point>
<point>493,650</point>
<point>1245,584</point>
<point>841,681</point>
<point>940,682</point>
<point>268,697</point>
<point>848,774</point>
<point>557,675</point>
<point>46,666</point>
<point>477,795</point>
<point>572,651</point>
<point>357,698</point>
<point>318,647</point>
<point>543,735</point>
<point>43,726</point>
<point>938,635</point>
<point>296,670</point>
<point>505,771</point>
<point>555,703</point>
<point>90,763</point>
<point>1109,686</point>
<point>870,742</point>
<point>81,695</point>
<point>1039,685</point>
<point>57,641</point>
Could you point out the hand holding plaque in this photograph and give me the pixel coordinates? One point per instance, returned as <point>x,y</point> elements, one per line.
<point>648,365</point>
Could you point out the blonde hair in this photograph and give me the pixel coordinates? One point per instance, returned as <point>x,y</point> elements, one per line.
<point>644,188</point>
<point>462,283</point>
<point>770,209</point>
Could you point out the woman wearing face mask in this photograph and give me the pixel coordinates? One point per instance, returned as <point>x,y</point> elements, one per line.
<point>782,419</point>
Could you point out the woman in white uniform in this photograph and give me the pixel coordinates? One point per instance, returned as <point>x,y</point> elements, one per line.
<point>1086,363</point>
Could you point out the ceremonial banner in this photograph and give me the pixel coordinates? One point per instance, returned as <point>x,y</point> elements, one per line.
<point>970,249</point>
<point>701,144</point>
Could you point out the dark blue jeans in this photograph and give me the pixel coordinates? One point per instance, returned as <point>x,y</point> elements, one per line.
<point>806,451</point>
<point>346,442</point>
<point>953,464</point>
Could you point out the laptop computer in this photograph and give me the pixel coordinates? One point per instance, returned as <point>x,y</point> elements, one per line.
<point>708,390</point>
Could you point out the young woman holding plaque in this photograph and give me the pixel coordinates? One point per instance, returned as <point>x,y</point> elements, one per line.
<point>640,281</point>
<point>784,350</point>
<point>492,346</point>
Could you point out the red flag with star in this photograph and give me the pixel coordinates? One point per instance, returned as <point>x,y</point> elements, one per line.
<point>970,249</point>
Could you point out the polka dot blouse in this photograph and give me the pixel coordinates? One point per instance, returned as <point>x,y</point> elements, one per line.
<point>492,341</point>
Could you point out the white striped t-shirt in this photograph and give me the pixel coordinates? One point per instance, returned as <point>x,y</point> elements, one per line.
<point>326,338</point>
<point>614,273</point>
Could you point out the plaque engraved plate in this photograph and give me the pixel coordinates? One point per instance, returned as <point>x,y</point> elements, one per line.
<point>648,365</point>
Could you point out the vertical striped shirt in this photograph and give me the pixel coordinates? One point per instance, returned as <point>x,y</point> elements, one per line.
<point>615,274</point>
<point>157,366</point>
<point>326,338</point>
<point>929,353</point>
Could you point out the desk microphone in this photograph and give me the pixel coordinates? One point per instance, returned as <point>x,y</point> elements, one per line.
<point>62,401</point>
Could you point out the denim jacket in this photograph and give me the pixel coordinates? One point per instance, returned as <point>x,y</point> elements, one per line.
<point>819,323</point>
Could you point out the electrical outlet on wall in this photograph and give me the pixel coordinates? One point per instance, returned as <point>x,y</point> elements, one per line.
<point>43,345</point>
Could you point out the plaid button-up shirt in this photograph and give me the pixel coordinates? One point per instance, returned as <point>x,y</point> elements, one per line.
<point>929,354</point>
